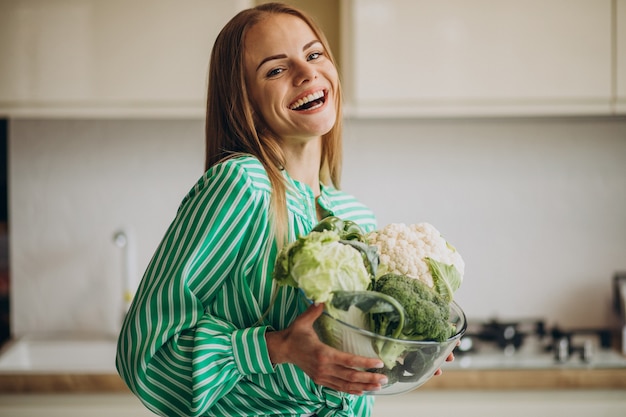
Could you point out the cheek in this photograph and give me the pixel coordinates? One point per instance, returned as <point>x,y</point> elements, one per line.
<point>261,104</point>
<point>331,74</point>
<point>269,109</point>
<point>265,98</point>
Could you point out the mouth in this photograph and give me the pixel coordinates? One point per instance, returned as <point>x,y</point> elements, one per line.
<point>310,101</point>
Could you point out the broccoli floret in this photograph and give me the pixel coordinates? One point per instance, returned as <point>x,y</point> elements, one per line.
<point>426,315</point>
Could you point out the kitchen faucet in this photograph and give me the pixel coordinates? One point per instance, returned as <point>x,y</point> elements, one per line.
<point>123,239</point>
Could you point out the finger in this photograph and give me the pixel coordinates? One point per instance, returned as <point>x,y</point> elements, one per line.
<point>355,382</point>
<point>352,388</point>
<point>311,314</point>
<point>357,362</point>
<point>344,368</point>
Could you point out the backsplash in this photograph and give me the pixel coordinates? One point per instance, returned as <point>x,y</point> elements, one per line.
<point>535,206</point>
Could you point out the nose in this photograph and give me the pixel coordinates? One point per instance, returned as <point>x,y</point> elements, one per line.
<point>303,72</point>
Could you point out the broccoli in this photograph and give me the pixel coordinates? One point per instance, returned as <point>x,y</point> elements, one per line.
<point>426,315</point>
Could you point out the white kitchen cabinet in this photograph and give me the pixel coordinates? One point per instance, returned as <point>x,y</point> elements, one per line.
<point>115,57</point>
<point>479,57</point>
<point>444,403</point>
<point>72,405</point>
<point>620,73</point>
<point>514,403</point>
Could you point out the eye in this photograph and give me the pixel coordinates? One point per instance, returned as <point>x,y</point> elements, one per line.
<point>274,72</point>
<point>314,55</point>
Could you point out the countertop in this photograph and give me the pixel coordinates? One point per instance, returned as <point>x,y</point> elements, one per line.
<point>48,383</point>
<point>508,379</point>
<point>48,366</point>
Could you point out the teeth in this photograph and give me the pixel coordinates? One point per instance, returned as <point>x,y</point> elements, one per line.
<point>304,100</point>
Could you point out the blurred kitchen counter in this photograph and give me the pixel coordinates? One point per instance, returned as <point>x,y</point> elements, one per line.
<point>524,379</point>
<point>466,379</point>
<point>27,382</point>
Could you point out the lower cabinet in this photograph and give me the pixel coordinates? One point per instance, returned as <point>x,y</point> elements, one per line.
<point>447,403</point>
<point>440,403</point>
<point>72,405</point>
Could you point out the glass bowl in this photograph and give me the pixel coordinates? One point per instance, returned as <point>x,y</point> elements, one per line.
<point>415,361</point>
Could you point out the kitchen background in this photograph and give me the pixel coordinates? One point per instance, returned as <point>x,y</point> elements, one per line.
<point>527,178</point>
<point>535,206</point>
<point>501,122</point>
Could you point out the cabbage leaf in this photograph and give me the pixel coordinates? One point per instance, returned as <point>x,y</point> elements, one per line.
<point>319,264</point>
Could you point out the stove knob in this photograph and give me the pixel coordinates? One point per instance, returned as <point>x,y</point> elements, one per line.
<point>587,353</point>
<point>509,332</point>
<point>562,350</point>
<point>466,344</point>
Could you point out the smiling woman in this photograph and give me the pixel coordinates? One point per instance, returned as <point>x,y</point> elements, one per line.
<point>209,332</point>
<point>292,81</point>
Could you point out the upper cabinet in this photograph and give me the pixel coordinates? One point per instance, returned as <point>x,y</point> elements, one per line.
<point>114,57</point>
<point>620,53</point>
<point>398,58</point>
<point>479,57</point>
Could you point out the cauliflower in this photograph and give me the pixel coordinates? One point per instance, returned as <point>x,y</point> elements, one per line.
<point>420,252</point>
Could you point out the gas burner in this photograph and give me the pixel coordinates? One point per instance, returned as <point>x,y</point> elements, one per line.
<point>509,336</point>
<point>578,341</point>
<point>530,337</point>
<point>506,336</point>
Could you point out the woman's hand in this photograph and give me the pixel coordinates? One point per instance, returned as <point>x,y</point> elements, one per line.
<point>298,344</point>
<point>450,358</point>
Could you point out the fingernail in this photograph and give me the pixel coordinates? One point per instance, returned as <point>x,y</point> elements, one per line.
<point>384,381</point>
<point>379,365</point>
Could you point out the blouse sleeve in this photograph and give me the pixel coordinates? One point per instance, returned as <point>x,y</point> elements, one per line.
<point>176,356</point>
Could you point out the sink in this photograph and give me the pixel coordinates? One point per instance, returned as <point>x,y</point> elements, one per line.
<point>75,354</point>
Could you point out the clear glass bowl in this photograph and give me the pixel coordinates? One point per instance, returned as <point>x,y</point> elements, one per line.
<point>415,361</point>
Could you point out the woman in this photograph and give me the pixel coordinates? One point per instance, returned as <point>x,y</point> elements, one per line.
<point>192,343</point>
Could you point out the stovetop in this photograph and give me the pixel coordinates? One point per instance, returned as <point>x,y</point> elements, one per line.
<point>530,343</point>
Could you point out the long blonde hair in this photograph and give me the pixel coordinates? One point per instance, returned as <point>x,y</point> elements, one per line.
<point>231,129</point>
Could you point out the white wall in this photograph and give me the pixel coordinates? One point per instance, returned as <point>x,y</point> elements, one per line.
<point>536,207</point>
<point>73,184</point>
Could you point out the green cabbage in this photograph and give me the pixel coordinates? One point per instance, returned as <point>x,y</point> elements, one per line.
<point>319,264</point>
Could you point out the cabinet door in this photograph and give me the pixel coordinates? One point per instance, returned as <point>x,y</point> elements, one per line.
<point>73,56</point>
<point>72,405</point>
<point>422,57</point>
<point>620,67</point>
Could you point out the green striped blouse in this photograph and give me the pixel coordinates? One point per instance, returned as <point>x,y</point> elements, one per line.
<point>191,344</point>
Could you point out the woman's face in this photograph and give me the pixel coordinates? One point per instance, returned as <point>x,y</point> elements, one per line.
<point>291,81</point>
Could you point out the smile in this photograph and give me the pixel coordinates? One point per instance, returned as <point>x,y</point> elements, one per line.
<point>309,102</point>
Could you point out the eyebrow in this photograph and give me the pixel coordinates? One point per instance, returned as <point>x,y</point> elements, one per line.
<point>282,56</point>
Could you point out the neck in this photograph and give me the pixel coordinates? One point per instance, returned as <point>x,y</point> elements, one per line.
<point>303,163</point>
